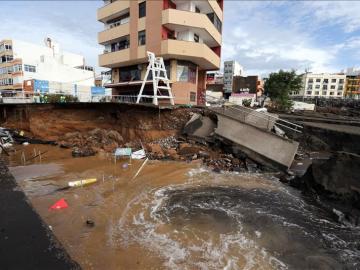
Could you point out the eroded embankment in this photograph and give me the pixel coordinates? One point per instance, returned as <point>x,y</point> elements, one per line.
<point>54,121</point>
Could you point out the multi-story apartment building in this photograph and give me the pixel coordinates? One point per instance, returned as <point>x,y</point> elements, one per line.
<point>323,85</point>
<point>231,69</point>
<point>187,34</point>
<point>352,83</point>
<point>22,61</point>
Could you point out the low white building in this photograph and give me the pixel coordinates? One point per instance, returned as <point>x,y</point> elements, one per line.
<point>231,69</point>
<point>323,85</point>
<point>22,61</point>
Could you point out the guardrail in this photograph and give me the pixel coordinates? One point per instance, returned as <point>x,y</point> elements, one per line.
<point>116,98</point>
<point>10,100</point>
<point>250,116</point>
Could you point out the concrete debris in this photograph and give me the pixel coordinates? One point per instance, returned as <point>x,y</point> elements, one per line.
<point>83,152</point>
<point>138,154</point>
<point>279,131</point>
<point>199,128</point>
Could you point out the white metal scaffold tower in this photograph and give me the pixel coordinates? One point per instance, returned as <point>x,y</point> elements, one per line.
<point>157,68</point>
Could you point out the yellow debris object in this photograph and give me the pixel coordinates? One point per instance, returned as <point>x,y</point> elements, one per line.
<point>80,183</point>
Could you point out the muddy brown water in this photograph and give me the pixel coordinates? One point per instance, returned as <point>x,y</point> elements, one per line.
<point>180,216</point>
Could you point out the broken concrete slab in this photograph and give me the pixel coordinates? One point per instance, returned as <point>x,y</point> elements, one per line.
<point>261,146</point>
<point>199,127</point>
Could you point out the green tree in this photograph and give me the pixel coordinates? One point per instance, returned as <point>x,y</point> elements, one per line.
<point>279,85</point>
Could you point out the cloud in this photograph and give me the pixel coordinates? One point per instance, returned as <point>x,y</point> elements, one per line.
<point>269,36</point>
<point>346,14</point>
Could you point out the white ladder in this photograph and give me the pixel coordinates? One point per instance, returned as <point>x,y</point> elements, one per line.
<point>157,68</point>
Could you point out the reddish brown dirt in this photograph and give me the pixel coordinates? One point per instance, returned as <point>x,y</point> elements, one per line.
<point>52,122</point>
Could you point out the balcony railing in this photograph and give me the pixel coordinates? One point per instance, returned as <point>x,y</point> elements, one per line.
<point>117,23</point>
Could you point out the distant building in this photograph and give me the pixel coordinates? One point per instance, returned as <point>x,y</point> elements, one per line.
<point>249,84</point>
<point>322,85</point>
<point>352,88</point>
<point>231,69</point>
<point>44,68</point>
<point>214,77</point>
<point>214,81</point>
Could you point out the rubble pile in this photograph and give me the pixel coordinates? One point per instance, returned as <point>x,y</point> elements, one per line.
<point>89,143</point>
<point>172,148</point>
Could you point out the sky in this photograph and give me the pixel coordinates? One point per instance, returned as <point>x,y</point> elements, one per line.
<point>263,36</point>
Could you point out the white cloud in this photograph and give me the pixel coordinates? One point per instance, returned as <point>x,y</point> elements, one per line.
<point>269,36</point>
<point>343,13</point>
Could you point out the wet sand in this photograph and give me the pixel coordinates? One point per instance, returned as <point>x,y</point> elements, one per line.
<point>178,216</point>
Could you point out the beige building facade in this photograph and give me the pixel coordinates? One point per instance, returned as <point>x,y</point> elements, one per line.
<point>325,85</point>
<point>187,34</point>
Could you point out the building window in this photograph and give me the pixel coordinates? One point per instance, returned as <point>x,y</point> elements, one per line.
<point>121,45</point>
<point>29,68</point>
<point>332,87</point>
<point>333,80</point>
<point>317,86</point>
<point>168,70</point>
<point>118,21</point>
<point>311,80</point>
<point>215,20</point>
<point>142,9</point>
<point>308,92</point>
<point>340,87</point>
<point>131,73</point>
<point>6,70</point>
<point>318,80</point>
<point>142,38</point>
<point>341,81</point>
<point>17,68</point>
<point>324,93</point>
<point>326,80</point>
<point>5,47</point>
<point>331,93</point>
<point>196,38</point>
<point>185,72</point>
<point>325,87</point>
<point>192,96</point>
<point>6,81</point>
<point>310,87</point>
<point>6,58</point>
<point>339,93</point>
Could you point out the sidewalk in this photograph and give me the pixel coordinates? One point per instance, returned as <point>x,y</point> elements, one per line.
<point>25,241</point>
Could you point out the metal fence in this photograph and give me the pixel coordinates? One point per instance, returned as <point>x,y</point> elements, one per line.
<point>128,99</point>
<point>263,120</point>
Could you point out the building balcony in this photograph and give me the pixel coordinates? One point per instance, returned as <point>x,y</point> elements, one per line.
<point>217,9</point>
<point>112,10</point>
<point>113,59</point>
<point>113,33</point>
<point>179,20</point>
<point>198,53</point>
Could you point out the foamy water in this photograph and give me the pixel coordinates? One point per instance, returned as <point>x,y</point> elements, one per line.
<point>183,216</point>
